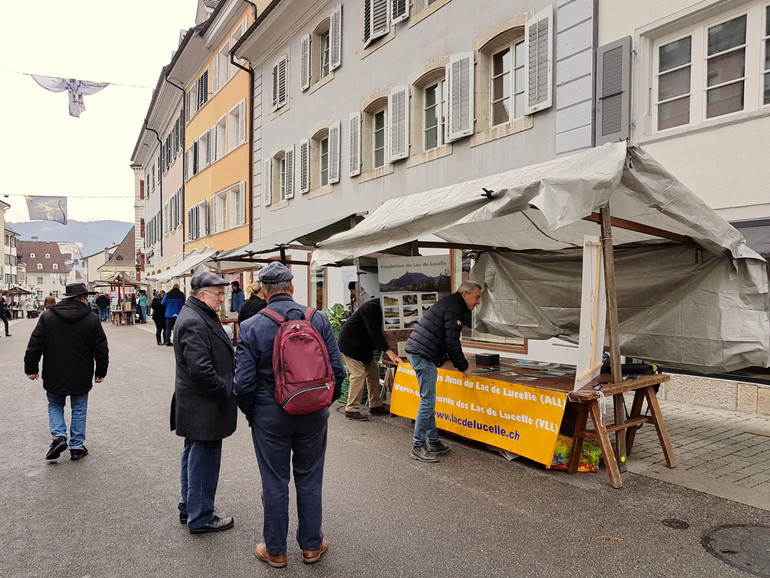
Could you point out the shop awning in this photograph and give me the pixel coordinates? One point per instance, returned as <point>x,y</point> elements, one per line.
<point>301,237</point>
<point>193,260</point>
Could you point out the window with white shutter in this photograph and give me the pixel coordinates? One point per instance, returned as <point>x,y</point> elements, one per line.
<point>335,37</point>
<point>187,100</point>
<point>237,204</point>
<point>538,70</point>
<point>399,10</point>
<point>304,63</point>
<point>354,166</point>
<point>192,223</point>
<point>376,21</point>
<point>279,82</point>
<point>220,146</point>
<point>459,74</point>
<point>613,96</point>
<point>267,182</point>
<point>288,174</point>
<point>398,113</point>
<point>203,88</point>
<point>203,214</point>
<point>334,152</point>
<point>304,166</point>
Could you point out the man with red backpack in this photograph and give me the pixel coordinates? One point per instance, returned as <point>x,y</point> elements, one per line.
<point>291,347</point>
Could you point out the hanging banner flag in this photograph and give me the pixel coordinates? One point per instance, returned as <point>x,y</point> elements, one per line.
<point>76,89</point>
<point>47,209</point>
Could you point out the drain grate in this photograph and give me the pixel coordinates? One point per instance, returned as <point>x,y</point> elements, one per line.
<point>675,523</point>
<point>742,546</point>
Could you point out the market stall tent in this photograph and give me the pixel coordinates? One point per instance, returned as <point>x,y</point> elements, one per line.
<point>690,293</point>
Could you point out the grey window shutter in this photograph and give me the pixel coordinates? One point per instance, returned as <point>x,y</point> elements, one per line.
<point>204,218</point>
<point>398,115</point>
<point>334,152</point>
<point>538,66</point>
<point>281,82</point>
<point>304,64</point>
<point>304,165</point>
<point>187,106</point>
<point>613,91</point>
<point>203,89</point>
<point>289,173</point>
<point>190,224</point>
<point>267,182</point>
<point>459,74</point>
<point>335,38</point>
<point>376,22</point>
<point>399,10</point>
<point>355,144</point>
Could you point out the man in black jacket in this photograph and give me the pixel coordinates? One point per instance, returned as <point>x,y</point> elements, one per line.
<point>203,409</point>
<point>71,340</point>
<point>435,338</point>
<point>359,337</point>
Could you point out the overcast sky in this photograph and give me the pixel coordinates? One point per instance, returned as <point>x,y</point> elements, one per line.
<point>44,151</point>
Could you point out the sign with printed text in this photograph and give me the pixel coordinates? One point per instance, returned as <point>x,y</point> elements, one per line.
<point>518,418</point>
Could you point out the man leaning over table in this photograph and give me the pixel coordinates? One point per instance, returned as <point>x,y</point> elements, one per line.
<point>436,337</point>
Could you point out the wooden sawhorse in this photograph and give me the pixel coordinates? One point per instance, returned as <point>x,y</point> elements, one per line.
<point>588,405</point>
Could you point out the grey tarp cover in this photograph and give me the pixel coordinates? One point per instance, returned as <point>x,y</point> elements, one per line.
<point>701,310</point>
<point>194,258</point>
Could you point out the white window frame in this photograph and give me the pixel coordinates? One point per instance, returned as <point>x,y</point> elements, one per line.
<point>236,122</point>
<point>220,213</point>
<point>517,52</point>
<point>440,109</point>
<point>237,204</point>
<point>220,144</point>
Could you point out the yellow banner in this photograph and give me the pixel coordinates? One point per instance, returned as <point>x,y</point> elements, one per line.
<point>518,418</point>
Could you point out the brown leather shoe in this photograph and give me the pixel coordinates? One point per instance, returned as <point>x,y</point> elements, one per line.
<point>313,556</point>
<point>275,561</point>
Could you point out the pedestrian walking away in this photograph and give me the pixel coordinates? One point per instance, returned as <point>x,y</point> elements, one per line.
<point>203,409</point>
<point>5,313</point>
<point>173,301</point>
<point>72,343</point>
<point>281,440</point>
<point>359,337</point>
<point>103,303</point>
<point>50,301</point>
<point>436,338</point>
<point>159,317</point>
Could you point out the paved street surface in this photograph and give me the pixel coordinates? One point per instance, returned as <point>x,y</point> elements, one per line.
<point>473,514</point>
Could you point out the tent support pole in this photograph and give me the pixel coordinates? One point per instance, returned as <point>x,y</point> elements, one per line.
<point>612,326</point>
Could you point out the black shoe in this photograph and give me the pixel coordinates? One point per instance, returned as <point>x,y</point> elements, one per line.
<point>182,518</point>
<point>78,454</point>
<point>379,410</point>
<point>217,524</point>
<point>57,447</point>
<point>8,335</point>
<point>422,454</point>
<point>438,447</point>
<point>169,344</point>
<point>356,416</point>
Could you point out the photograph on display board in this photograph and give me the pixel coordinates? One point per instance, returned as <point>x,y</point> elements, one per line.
<point>391,300</point>
<point>414,274</point>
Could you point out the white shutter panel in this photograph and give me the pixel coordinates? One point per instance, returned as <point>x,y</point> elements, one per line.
<point>242,122</point>
<point>267,183</point>
<point>190,226</point>
<point>355,144</point>
<point>304,166</point>
<point>399,10</point>
<point>212,211</point>
<point>289,172</point>
<point>304,63</point>
<point>376,22</point>
<point>334,152</point>
<point>279,82</point>
<point>241,212</point>
<point>335,38</point>
<point>275,86</point>
<point>538,66</point>
<point>459,75</point>
<point>187,106</point>
<point>203,213</point>
<point>215,74</point>
<point>398,116</point>
<point>613,95</point>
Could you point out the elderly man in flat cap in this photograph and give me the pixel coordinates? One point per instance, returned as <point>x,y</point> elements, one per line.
<point>203,409</point>
<point>72,343</point>
<point>276,434</point>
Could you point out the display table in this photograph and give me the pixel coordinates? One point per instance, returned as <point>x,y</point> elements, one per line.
<point>120,317</point>
<point>16,312</point>
<point>519,407</point>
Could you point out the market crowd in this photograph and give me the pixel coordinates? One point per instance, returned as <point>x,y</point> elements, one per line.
<point>289,370</point>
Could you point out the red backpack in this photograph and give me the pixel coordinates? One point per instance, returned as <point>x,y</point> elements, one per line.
<point>304,379</point>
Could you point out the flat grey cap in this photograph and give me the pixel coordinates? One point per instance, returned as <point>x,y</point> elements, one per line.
<point>207,279</point>
<point>275,272</point>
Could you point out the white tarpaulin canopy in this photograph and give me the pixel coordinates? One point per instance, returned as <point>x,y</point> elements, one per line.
<point>700,303</point>
<point>193,259</point>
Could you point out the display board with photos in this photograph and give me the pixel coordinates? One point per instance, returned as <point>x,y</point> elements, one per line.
<point>409,286</point>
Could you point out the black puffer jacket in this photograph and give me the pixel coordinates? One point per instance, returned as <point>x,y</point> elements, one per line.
<point>438,334</point>
<point>71,340</point>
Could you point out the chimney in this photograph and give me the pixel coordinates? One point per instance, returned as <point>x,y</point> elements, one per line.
<point>34,238</point>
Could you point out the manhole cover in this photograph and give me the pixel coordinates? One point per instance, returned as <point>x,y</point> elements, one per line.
<point>741,546</point>
<point>675,523</point>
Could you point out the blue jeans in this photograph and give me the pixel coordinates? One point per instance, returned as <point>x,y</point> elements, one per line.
<point>199,477</point>
<point>170,321</point>
<point>79,407</point>
<point>142,315</point>
<point>425,422</point>
<point>284,443</point>
<point>104,313</point>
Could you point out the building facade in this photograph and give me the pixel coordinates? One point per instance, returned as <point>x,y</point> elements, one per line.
<point>48,269</point>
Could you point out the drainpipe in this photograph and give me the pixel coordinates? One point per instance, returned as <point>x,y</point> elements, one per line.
<point>160,191</point>
<point>184,159</point>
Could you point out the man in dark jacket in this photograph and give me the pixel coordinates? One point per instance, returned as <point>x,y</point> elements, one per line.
<point>359,337</point>
<point>71,340</point>
<point>254,304</point>
<point>237,297</point>
<point>159,317</point>
<point>276,434</point>
<point>173,301</point>
<point>435,338</point>
<point>203,409</point>
<point>103,303</point>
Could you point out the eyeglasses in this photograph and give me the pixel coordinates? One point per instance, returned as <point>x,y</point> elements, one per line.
<point>217,293</point>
